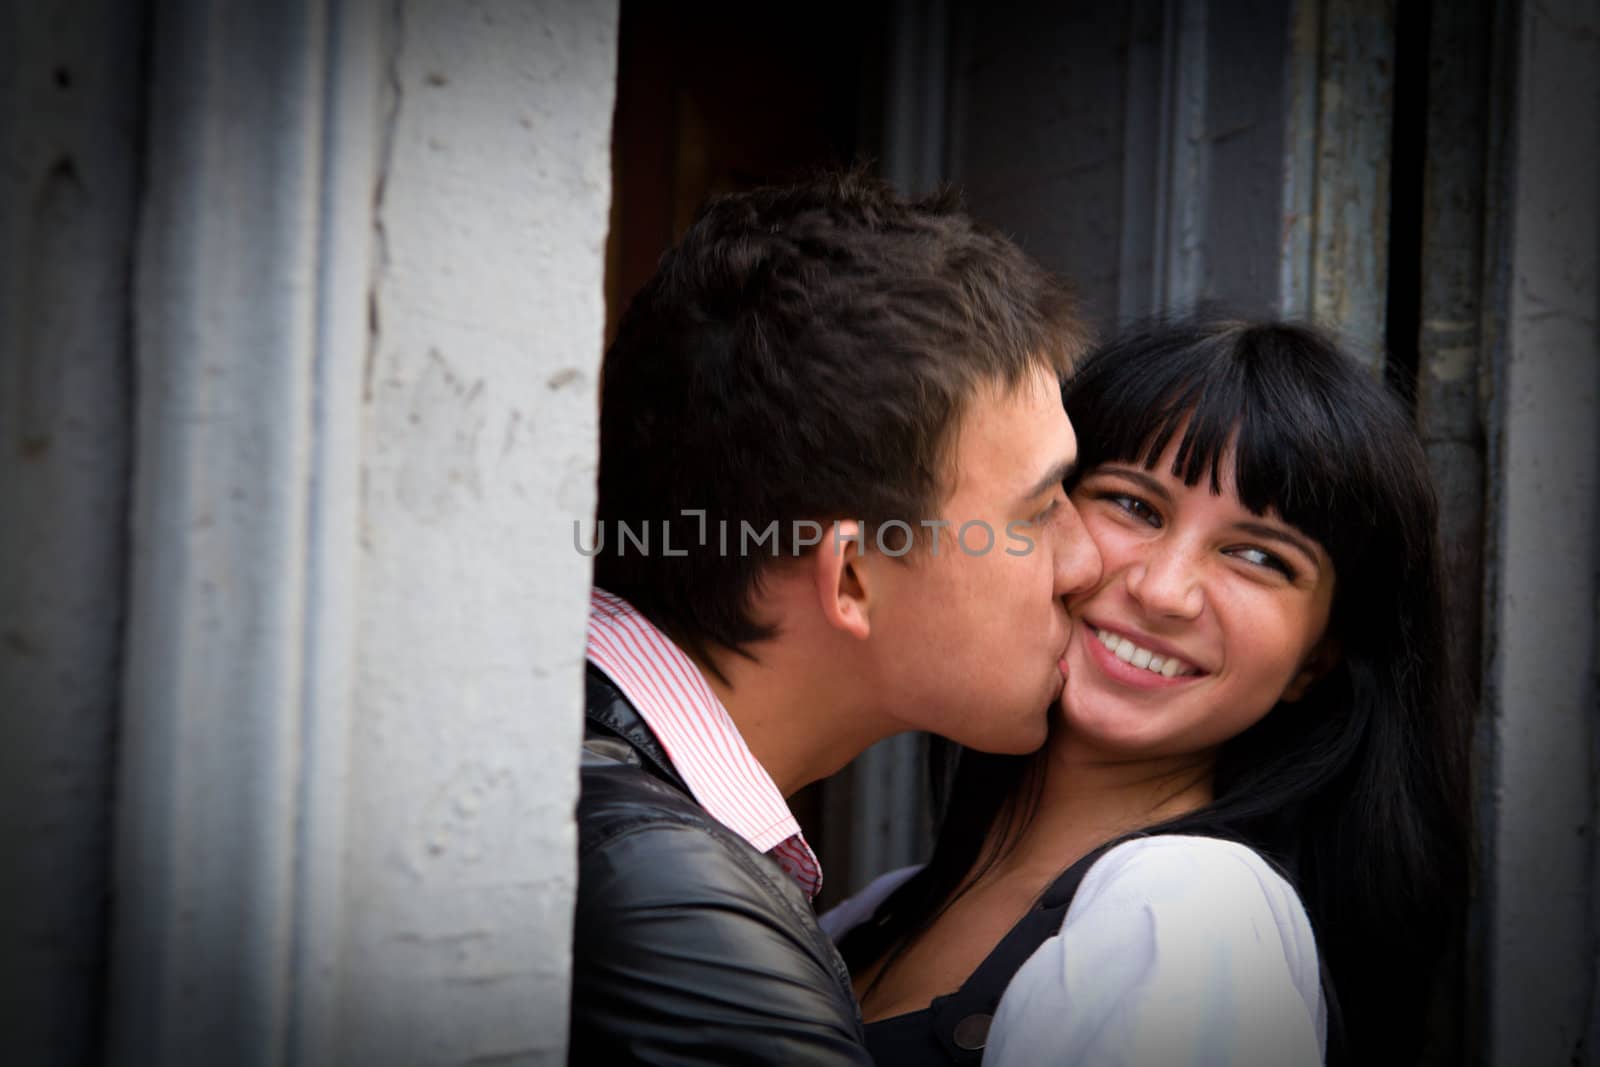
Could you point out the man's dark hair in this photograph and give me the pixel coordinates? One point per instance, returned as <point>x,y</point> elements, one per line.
<point>804,353</point>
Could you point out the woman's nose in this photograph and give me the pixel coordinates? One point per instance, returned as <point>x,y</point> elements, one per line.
<point>1165,580</point>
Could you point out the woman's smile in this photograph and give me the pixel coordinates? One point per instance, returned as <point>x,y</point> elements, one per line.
<point>1136,660</point>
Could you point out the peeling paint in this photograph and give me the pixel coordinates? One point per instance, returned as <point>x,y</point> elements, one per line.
<point>566,376</point>
<point>448,416</point>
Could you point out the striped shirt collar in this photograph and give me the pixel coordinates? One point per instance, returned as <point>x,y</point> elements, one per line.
<point>670,694</point>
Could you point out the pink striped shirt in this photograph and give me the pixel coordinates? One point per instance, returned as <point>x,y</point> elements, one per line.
<point>706,749</point>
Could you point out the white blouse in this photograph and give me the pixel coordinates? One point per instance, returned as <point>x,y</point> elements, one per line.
<point>1176,950</point>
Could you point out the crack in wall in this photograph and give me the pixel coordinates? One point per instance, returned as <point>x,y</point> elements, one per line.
<point>394,39</point>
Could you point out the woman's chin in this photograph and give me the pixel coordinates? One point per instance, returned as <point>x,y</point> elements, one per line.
<point>1118,735</point>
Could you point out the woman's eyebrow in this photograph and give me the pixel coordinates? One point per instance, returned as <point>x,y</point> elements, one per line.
<point>1148,482</point>
<point>1270,532</point>
<point>1280,534</point>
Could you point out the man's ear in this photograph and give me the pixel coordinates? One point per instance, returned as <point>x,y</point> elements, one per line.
<point>1322,658</point>
<point>843,579</point>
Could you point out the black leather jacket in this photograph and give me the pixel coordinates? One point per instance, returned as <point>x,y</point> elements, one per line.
<point>689,946</point>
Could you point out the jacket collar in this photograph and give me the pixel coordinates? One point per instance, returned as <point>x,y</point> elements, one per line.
<point>606,708</point>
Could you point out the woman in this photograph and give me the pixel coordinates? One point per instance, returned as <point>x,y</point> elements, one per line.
<point>1255,778</point>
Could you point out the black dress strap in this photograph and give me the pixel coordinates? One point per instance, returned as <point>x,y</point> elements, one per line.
<point>955,1027</point>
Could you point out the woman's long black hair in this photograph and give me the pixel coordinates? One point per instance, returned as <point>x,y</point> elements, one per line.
<point>1359,790</point>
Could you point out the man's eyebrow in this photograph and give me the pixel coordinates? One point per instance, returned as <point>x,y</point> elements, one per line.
<point>1053,477</point>
<point>1281,534</point>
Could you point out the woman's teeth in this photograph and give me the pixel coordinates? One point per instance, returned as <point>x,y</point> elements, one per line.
<point>1128,652</point>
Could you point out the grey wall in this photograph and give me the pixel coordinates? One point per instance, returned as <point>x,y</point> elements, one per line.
<point>1164,155</point>
<point>1036,132</point>
<point>1542,720</point>
<point>1139,150</point>
<point>70,125</point>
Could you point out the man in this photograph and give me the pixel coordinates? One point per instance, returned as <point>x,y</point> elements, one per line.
<point>830,510</point>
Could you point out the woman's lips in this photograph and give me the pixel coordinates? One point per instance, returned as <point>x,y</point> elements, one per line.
<point>1130,672</point>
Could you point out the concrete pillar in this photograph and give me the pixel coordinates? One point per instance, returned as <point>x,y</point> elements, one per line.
<point>481,397</point>
<point>1541,707</point>
<point>369,322</point>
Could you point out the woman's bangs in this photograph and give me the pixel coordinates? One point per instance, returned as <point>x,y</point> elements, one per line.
<point>1279,467</point>
<point>1223,406</point>
<point>1277,464</point>
<point>1126,406</point>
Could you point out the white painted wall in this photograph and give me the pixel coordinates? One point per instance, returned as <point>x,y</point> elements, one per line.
<point>482,402</point>
<point>1542,695</point>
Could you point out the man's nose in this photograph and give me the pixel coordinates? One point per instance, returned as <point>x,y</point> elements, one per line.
<point>1077,559</point>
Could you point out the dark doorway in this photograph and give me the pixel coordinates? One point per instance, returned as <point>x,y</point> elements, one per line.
<point>715,97</point>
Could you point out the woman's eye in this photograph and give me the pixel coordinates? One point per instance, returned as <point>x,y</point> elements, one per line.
<point>1135,507</point>
<point>1262,558</point>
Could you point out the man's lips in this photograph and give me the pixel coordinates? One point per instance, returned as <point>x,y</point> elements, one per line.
<point>1073,627</point>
